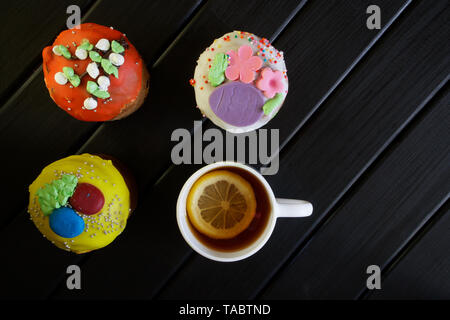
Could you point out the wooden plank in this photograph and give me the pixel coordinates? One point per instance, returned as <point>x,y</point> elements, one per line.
<point>172,111</point>
<point>27,27</point>
<point>148,276</point>
<point>34,132</point>
<point>377,219</point>
<point>351,129</point>
<point>424,271</point>
<point>32,126</point>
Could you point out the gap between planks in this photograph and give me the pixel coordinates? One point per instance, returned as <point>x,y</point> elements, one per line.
<point>436,214</point>
<point>354,185</point>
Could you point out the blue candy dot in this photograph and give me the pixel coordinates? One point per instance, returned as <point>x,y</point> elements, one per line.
<point>66,223</point>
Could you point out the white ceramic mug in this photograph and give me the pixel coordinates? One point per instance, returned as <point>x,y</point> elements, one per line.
<point>280,208</point>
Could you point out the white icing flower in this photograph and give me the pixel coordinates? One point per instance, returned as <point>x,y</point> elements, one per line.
<point>90,103</point>
<point>56,51</point>
<point>116,59</point>
<point>103,83</point>
<point>103,44</point>
<point>92,70</point>
<point>60,78</point>
<point>81,53</point>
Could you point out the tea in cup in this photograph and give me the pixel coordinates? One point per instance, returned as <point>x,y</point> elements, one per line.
<point>226,211</point>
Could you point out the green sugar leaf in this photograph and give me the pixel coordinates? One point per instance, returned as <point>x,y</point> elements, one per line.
<point>75,80</point>
<point>68,72</point>
<point>216,73</point>
<point>91,87</point>
<point>95,56</point>
<point>106,65</point>
<point>271,104</point>
<point>116,47</point>
<point>116,72</point>
<point>56,194</point>
<point>64,51</point>
<point>101,94</point>
<point>109,68</point>
<point>86,45</point>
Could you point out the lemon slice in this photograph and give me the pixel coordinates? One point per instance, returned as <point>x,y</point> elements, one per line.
<point>221,204</point>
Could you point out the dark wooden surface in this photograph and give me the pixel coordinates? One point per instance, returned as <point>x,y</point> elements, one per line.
<point>364,136</point>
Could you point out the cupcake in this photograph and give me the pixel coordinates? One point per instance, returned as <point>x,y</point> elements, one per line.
<point>240,82</point>
<point>81,203</point>
<point>94,73</point>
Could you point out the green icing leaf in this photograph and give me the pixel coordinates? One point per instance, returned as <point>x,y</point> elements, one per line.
<point>86,45</point>
<point>64,51</point>
<point>75,80</point>
<point>109,68</point>
<point>216,73</point>
<point>106,64</point>
<point>271,104</point>
<point>91,87</point>
<point>101,94</point>
<point>68,72</point>
<point>116,47</point>
<point>56,194</point>
<point>95,56</point>
<point>116,72</point>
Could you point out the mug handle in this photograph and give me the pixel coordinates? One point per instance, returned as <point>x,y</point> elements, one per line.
<point>291,208</point>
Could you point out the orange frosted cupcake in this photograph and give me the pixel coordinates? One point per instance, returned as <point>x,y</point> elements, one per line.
<point>94,73</point>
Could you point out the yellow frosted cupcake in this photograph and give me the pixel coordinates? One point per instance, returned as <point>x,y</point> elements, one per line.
<point>81,203</point>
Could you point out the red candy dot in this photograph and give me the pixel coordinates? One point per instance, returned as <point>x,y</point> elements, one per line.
<point>87,199</point>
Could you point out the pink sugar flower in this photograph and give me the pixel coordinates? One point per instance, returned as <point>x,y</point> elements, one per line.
<point>242,65</point>
<point>271,82</point>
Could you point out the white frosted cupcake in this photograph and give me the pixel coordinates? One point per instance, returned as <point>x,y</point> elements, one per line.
<point>240,82</point>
